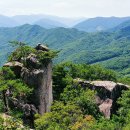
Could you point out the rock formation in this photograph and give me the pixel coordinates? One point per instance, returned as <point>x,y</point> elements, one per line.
<point>37,76</point>
<point>107,94</point>
<point>15,66</point>
<point>41,47</point>
<point>41,80</point>
<point>40,77</point>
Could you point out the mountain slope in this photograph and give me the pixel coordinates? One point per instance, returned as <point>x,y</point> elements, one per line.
<point>42,20</point>
<point>47,23</point>
<point>7,22</point>
<point>55,38</point>
<point>26,19</point>
<point>120,26</point>
<point>110,49</point>
<point>100,23</point>
<point>32,19</point>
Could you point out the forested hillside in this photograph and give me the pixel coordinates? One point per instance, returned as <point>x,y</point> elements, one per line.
<point>110,49</point>
<point>32,34</point>
<point>64,65</point>
<point>86,97</point>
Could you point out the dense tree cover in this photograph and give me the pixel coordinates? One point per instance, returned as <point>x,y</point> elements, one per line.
<point>58,121</point>
<point>125,80</point>
<point>11,88</point>
<point>66,72</point>
<point>67,91</point>
<point>10,123</point>
<point>33,34</point>
<point>74,107</point>
<point>110,49</point>
<point>69,94</point>
<point>21,51</point>
<point>61,117</point>
<point>124,110</point>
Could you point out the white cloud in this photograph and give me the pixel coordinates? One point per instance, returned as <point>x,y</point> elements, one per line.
<point>68,8</point>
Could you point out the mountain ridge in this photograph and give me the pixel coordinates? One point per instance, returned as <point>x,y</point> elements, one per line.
<point>100,23</point>
<point>110,49</point>
<point>47,21</point>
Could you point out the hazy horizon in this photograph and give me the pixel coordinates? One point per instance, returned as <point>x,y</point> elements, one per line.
<point>73,17</point>
<point>68,8</point>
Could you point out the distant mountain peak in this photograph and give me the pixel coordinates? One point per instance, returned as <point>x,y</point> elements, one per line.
<point>100,23</point>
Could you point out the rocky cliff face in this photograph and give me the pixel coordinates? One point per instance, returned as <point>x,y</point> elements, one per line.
<point>107,94</point>
<point>37,75</point>
<point>41,80</point>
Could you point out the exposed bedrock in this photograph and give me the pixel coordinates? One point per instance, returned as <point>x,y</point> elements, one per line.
<point>37,75</point>
<point>41,80</point>
<point>107,94</point>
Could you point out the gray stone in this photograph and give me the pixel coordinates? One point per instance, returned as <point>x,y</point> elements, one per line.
<point>41,80</point>
<point>106,107</point>
<point>41,47</point>
<point>15,66</point>
<point>32,61</point>
<point>107,94</point>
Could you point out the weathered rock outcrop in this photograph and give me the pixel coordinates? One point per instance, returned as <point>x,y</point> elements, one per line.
<point>41,47</point>
<point>107,94</point>
<point>32,61</point>
<point>37,75</point>
<point>40,77</point>
<point>15,66</point>
<point>41,80</point>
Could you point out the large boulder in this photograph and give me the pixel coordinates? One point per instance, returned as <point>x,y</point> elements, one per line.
<point>107,94</point>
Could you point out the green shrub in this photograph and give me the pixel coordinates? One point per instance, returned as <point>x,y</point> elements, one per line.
<point>61,117</point>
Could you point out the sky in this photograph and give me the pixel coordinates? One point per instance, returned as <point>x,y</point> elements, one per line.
<point>66,8</point>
